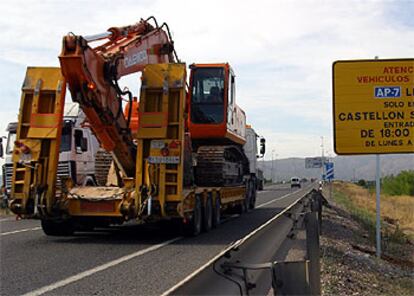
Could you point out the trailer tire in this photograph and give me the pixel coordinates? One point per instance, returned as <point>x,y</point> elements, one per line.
<point>217,212</point>
<point>252,200</point>
<point>208,214</point>
<point>240,208</point>
<point>193,228</point>
<point>249,199</point>
<point>53,228</point>
<point>260,185</point>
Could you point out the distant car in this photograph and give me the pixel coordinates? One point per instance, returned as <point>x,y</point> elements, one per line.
<point>295,182</point>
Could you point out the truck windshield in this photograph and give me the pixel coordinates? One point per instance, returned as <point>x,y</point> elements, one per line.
<point>207,100</point>
<point>66,140</point>
<point>10,142</point>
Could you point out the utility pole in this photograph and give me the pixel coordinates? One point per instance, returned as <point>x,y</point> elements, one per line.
<point>275,167</point>
<point>264,168</point>
<point>322,159</point>
<point>272,174</point>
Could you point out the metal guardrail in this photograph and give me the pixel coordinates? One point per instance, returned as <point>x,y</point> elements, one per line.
<point>256,263</point>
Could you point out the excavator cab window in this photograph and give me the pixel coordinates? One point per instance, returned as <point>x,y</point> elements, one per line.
<point>81,143</point>
<point>207,95</point>
<point>66,139</point>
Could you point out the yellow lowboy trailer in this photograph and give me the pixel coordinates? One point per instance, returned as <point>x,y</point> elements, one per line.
<point>163,187</point>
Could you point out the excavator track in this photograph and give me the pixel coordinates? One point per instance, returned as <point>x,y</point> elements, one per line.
<point>103,160</point>
<point>220,166</point>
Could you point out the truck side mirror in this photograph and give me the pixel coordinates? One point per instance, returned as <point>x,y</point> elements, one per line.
<point>262,146</point>
<point>1,148</point>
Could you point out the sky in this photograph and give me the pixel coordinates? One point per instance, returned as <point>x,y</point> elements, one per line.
<point>281,51</point>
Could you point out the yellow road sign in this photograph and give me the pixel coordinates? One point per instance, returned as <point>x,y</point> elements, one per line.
<point>373,106</point>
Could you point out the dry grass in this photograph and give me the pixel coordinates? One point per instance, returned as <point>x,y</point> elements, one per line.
<point>396,210</point>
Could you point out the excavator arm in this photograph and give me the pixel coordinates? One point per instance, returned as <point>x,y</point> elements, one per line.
<point>92,74</point>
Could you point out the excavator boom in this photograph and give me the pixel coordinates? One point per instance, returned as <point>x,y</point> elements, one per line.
<point>92,74</point>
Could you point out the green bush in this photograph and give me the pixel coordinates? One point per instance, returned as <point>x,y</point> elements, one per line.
<point>402,184</point>
<point>362,183</point>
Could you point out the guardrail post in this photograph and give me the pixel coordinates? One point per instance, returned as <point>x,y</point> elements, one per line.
<point>291,278</point>
<point>316,206</point>
<point>312,246</point>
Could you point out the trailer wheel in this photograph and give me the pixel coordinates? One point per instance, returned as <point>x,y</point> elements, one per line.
<point>260,185</point>
<point>53,228</point>
<point>249,199</point>
<point>217,212</point>
<point>240,208</point>
<point>252,201</point>
<point>193,228</point>
<point>208,214</point>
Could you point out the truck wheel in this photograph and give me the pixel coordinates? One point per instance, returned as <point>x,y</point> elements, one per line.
<point>252,204</point>
<point>208,214</point>
<point>217,212</point>
<point>260,185</point>
<point>240,208</point>
<point>249,196</point>
<point>53,228</point>
<point>193,228</point>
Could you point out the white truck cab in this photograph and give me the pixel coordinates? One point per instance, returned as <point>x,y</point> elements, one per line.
<point>253,153</point>
<point>7,168</point>
<point>78,149</point>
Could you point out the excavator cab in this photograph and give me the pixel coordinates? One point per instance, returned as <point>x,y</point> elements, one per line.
<point>212,107</point>
<point>207,95</point>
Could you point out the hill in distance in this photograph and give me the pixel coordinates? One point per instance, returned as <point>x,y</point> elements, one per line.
<point>353,167</point>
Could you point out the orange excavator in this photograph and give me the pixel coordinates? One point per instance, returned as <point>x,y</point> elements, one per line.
<point>180,154</point>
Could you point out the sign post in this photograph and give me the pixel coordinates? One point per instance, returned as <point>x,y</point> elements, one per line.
<point>373,106</point>
<point>378,208</point>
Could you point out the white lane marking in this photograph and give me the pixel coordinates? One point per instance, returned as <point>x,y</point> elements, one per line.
<point>262,205</point>
<point>273,200</point>
<point>99,268</point>
<point>21,230</point>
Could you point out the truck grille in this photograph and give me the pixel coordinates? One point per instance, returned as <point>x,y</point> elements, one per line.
<point>8,174</point>
<point>64,170</point>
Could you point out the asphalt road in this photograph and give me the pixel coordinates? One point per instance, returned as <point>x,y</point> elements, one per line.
<point>126,260</point>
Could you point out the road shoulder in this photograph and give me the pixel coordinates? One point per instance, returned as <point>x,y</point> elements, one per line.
<point>348,265</point>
